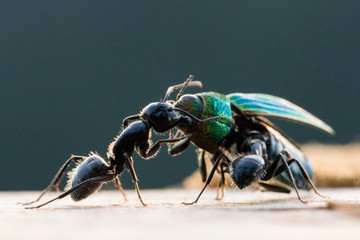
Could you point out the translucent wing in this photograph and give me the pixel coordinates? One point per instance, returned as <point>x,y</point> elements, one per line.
<point>257,104</point>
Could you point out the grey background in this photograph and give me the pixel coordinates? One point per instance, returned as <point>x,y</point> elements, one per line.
<point>70,71</point>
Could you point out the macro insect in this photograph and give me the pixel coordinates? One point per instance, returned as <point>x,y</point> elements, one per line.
<point>233,133</point>
<point>93,171</point>
<point>230,131</point>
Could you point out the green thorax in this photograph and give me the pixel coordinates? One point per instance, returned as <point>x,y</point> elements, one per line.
<point>207,135</point>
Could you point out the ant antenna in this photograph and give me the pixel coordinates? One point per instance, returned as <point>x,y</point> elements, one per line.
<point>187,83</point>
<point>190,78</point>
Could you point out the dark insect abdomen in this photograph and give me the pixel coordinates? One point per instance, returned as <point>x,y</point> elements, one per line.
<point>92,166</point>
<point>278,143</point>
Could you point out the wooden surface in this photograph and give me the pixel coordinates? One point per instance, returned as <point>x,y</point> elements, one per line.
<point>240,215</point>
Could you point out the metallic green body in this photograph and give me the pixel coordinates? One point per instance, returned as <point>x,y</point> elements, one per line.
<point>208,134</point>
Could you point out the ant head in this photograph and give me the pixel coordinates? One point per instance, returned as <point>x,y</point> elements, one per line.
<point>247,170</point>
<point>92,166</point>
<point>161,116</point>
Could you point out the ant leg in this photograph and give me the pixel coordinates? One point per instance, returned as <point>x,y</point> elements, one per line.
<point>155,148</point>
<point>104,178</point>
<point>176,148</point>
<point>172,136</point>
<point>131,168</point>
<point>222,183</point>
<point>118,185</point>
<point>307,177</point>
<point>273,169</point>
<point>303,172</point>
<point>289,173</point>
<point>130,118</point>
<point>286,167</point>
<point>56,180</point>
<point>208,180</point>
<point>179,147</point>
<point>201,162</point>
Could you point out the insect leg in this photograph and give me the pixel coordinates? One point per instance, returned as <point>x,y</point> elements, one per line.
<point>211,174</point>
<point>130,166</point>
<point>179,147</point>
<point>104,178</point>
<point>303,172</point>
<point>155,148</point>
<point>57,179</point>
<point>130,118</point>
<point>201,162</point>
<point>118,185</point>
<point>203,172</point>
<point>222,182</point>
<point>274,170</point>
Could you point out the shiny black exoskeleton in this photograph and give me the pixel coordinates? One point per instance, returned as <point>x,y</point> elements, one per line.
<point>259,154</point>
<point>231,132</point>
<point>93,171</point>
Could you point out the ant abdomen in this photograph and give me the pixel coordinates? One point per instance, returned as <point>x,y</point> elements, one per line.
<point>91,167</point>
<point>247,170</point>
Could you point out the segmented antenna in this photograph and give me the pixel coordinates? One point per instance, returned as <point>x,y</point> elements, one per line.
<point>190,78</point>
<point>182,86</point>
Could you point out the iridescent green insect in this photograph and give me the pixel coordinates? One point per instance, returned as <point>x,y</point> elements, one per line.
<point>232,131</point>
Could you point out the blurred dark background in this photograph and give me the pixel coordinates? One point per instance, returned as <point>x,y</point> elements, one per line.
<point>70,71</point>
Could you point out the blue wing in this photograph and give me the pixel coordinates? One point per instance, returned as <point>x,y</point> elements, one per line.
<point>257,104</point>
